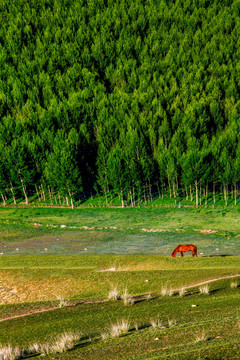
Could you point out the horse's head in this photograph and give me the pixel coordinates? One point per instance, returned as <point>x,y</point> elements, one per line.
<point>173,255</point>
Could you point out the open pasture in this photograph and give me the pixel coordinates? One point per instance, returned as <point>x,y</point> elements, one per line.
<point>159,325</point>
<point>58,268</point>
<point>118,231</point>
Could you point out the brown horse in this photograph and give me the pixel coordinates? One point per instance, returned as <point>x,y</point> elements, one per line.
<point>185,248</point>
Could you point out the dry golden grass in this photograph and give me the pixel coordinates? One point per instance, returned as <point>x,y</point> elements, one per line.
<point>15,288</point>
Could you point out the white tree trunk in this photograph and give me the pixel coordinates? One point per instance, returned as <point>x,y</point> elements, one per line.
<point>170,191</point>
<point>43,193</point>
<point>13,195</point>
<point>225,194</point>
<point>122,199</point>
<point>191,195</point>
<point>196,189</point>
<point>214,197</point>
<point>24,191</point>
<point>4,201</point>
<point>206,195</point>
<point>235,194</point>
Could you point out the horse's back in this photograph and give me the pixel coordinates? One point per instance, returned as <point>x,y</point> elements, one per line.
<point>189,247</point>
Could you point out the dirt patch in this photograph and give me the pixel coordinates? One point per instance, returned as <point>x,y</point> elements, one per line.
<point>209,231</point>
<point>154,230</point>
<point>109,269</point>
<point>20,287</point>
<point>8,294</point>
<point>78,302</point>
<point>209,281</point>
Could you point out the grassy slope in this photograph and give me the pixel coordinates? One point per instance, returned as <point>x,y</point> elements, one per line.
<point>217,314</point>
<point>29,278</point>
<point>33,282</point>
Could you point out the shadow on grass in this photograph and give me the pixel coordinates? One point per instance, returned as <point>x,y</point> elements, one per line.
<point>220,255</point>
<point>85,341</point>
<point>211,292</point>
<point>143,299</point>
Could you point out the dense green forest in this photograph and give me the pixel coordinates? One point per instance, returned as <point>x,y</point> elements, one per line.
<point>119,95</point>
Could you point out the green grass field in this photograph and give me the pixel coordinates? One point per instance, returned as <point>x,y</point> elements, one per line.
<point>118,231</point>
<point>215,319</point>
<point>70,270</point>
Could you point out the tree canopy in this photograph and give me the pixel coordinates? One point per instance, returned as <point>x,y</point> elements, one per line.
<point>118,95</point>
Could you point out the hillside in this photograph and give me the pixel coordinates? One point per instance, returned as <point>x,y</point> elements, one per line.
<point>121,96</point>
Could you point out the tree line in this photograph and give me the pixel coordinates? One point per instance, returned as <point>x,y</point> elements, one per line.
<point>121,96</point>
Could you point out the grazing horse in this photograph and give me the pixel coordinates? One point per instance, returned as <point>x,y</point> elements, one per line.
<point>185,248</point>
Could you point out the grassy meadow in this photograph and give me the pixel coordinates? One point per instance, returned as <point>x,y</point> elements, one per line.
<point>62,265</point>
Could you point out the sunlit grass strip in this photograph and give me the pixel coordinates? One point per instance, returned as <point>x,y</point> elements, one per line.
<point>114,294</point>
<point>201,337</point>
<point>172,322</point>
<point>164,291</point>
<point>204,289</point>
<point>156,323</point>
<point>62,301</point>
<point>117,329</point>
<point>10,353</point>
<point>127,299</point>
<point>234,284</point>
<point>182,292</point>
<point>59,344</point>
<point>120,328</point>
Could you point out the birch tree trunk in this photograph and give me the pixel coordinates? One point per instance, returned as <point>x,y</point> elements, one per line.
<point>196,189</point>
<point>43,193</point>
<point>50,195</point>
<point>4,201</point>
<point>200,199</point>
<point>170,191</point>
<point>13,195</point>
<point>225,194</point>
<point>206,195</point>
<point>131,197</point>
<point>174,192</point>
<point>144,194</point>
<point>150,190</point>
<point>191,195</point>
<point>235,194</point>
<point>24,191</point>
<point>39,199</point>
<point>122,199</point>
<point>105,193</point>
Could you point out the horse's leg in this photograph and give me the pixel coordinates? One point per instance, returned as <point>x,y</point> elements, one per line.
<point>181,253</point>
